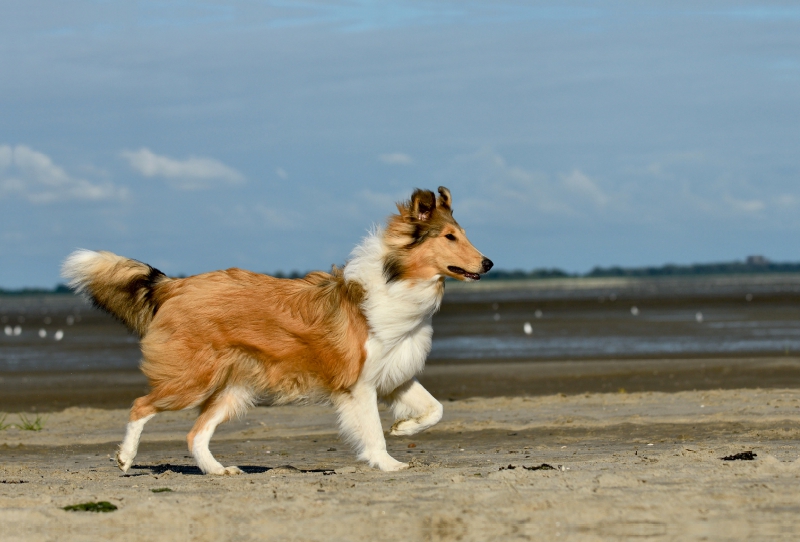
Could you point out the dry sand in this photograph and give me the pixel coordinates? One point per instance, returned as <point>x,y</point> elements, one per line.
<point>628,466</point>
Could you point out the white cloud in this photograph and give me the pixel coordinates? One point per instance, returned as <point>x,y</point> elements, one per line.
<point>579,183</point>
<point>787,201</point>
<point>496,188</point>
<point>396,159</point>
<point>749,206</point>
<point>32,175</point>
<point>192,173</point>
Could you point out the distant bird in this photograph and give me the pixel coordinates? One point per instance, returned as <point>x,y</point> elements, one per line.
<point>635,310</point>
<point>17,331</point>
<point>42,333</point>
<point>58,335</point>
<point>699,317</point>
<point>9,331</point>
<point>527,328</point>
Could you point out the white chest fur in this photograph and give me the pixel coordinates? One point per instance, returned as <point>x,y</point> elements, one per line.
<point>393,362</point>
<point>399,317</point>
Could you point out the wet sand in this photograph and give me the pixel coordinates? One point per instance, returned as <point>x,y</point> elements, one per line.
<point>626,466</point>
<point>448,381</point>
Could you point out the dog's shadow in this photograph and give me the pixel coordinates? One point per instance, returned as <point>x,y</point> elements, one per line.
<point>247,469</point>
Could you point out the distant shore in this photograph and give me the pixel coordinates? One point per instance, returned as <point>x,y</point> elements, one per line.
<point>653,285</point>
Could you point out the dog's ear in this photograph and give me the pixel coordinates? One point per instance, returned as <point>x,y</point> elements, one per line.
<point>444,200</point>
<point>423,203</point>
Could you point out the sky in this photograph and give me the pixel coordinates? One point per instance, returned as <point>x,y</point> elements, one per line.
<point>271,135</point>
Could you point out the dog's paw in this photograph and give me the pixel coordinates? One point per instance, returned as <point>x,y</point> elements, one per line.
<point>124,463</point>
<point>394,466</point>
<point>389,464</point>
<point>404,428</point>
<point>226,471</point>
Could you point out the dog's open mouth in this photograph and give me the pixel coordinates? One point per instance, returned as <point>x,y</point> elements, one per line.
<point>459,271</point>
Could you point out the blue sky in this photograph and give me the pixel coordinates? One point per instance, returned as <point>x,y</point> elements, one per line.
<point>270,135</point>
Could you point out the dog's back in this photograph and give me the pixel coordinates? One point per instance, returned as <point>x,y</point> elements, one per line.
<point>287,338</point>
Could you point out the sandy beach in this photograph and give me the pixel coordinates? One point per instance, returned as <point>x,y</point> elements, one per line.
<point>625,465</point>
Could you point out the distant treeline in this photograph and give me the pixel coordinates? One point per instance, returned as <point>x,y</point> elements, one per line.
<point>60,289</point>
<point>753,264</point>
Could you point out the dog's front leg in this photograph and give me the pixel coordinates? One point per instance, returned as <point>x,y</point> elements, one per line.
<point>414,409</point>
<point>360,424</point>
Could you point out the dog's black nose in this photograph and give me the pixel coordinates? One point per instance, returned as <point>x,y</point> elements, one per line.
<point>487,264</point>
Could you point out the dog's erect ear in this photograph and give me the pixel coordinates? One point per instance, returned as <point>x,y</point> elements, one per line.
<point>444,200</point>
<point>423,202</point>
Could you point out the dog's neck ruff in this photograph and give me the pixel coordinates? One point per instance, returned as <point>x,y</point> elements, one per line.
<point>398,313</point>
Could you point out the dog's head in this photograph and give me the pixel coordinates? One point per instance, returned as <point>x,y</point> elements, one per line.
<point>425,241</point>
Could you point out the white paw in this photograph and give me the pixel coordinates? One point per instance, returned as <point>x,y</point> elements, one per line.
<point>404,428</point>
<point>226,471</point>
<point>389,464</point>
<point>123,462</point>
<point>395,466</point>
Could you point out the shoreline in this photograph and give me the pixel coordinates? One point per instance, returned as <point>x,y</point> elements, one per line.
<point>50,391</point>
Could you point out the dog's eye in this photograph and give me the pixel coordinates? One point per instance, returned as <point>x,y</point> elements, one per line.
<point>450,236</point>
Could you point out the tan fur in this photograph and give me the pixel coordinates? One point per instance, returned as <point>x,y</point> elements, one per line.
<point>285,337</point>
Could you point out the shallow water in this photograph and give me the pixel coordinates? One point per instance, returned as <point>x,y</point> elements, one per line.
<point>575,332</point>
<point>741,318</point>
<point>91,340</point>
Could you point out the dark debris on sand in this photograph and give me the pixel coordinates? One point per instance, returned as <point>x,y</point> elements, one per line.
<point>100,506</point>
<point>543,466</point>
<point>741,456</point>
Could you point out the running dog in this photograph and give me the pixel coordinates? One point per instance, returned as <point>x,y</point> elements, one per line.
<point>225,340</point>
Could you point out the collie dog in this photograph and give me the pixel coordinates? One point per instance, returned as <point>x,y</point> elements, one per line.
<point>224,340</point>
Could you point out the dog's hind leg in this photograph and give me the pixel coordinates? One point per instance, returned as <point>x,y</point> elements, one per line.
<point>360,424</point>
<point>414,409</point>
<point>218,409</point>
<point>141,412</point>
